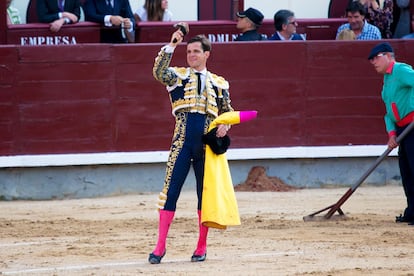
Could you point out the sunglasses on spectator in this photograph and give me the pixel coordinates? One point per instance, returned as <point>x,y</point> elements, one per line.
<point>377,56</point>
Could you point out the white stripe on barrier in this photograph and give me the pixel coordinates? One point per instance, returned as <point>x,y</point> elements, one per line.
<point>113,158</point>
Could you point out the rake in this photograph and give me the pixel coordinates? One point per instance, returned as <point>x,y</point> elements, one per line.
<point>336,207</point>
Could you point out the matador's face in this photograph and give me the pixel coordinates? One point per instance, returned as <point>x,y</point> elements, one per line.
<point>196,57</point>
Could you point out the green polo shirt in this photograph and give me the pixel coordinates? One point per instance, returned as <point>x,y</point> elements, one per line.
<point>398,96</point>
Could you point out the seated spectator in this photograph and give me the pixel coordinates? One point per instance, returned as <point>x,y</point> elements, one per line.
<point>379,14</point>
<point>355,13</point>
<point>13,14</point>
<point>346,34</point>
<point>403,25</point>
<point>153,10</point>
<point>248,22</point>
<point>116,18</point>
<point>285,25</point>
<point>410,36</point>
<point>58,12</point>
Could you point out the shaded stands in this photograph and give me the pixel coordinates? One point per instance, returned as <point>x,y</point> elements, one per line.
<point>31,12</point>
<point>225,30</point>
<point>36,33</point>
<point>103,97</point>
<point>337,9</point>
<point>150,32</point>
<point>412,12</point>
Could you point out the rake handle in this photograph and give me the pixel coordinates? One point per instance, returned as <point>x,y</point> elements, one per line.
<point>351,190</point>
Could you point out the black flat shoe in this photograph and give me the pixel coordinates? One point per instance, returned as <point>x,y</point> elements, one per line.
<point>198,258</point>
<point>155,259</point>
<point>402,218</point>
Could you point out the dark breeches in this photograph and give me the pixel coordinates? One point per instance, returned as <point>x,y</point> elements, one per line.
<point>406,163</point>
<point>187,148</point>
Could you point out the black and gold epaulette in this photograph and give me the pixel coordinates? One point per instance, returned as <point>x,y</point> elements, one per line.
<point>181,72</point>
<point>219,81</point>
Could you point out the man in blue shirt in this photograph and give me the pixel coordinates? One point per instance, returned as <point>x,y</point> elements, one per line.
<point>285,25</point>
<point>355,13</point>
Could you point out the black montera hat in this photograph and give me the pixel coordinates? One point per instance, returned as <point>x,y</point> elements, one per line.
<point>218,145</point>
<point>383,47</point>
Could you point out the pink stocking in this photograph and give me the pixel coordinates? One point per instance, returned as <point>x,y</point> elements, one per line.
<point>166,218</point>
<point>202,238</point>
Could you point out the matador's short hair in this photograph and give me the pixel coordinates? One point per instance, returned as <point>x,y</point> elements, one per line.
<point>205,42</point>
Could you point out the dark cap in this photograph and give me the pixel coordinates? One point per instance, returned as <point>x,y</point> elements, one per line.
<point>254,15</point>
<point>384,47</point>
<point>218,145</point>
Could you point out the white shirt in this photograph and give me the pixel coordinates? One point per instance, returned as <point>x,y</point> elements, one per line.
<point>203,74</point>
<point>142,13</point>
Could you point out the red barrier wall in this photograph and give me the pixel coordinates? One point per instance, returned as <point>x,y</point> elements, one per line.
<point>40,34</point>
<point>100,98</point>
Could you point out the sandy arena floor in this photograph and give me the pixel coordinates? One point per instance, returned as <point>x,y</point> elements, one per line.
<point>113,236</point>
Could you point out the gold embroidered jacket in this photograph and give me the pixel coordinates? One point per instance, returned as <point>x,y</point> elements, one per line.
<point>181,84</point>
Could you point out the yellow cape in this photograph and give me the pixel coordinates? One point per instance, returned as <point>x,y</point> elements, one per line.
<point>219,205</point>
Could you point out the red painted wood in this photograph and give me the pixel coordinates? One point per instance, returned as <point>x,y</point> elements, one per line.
<point>224,10</point>
<point>3,23</point>
<point>100,98</point>
<point>39,34</point>
<point>215,10</point>
<point>205,10</point>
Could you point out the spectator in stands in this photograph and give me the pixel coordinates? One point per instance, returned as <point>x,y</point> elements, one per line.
<point>346,34</point>
<point>153,10</point>
<point>380,14</point>
<point>58,12</point>
<point>397,94</point>
<point>403,25</point>
<point>13,14</point>
<point>116,17</point>
<point>410,36</point>
<point>285,25</point>
<point>355,13</point>
<point>248,22</point>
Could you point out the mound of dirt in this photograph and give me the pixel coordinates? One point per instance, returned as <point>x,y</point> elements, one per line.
<point>258,181</point>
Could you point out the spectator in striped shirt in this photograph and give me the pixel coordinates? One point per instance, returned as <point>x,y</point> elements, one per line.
<point>355,13</point>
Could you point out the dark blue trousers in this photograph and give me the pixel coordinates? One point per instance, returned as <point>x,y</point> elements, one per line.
<point>187,149</point>
<point>406,163</point>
